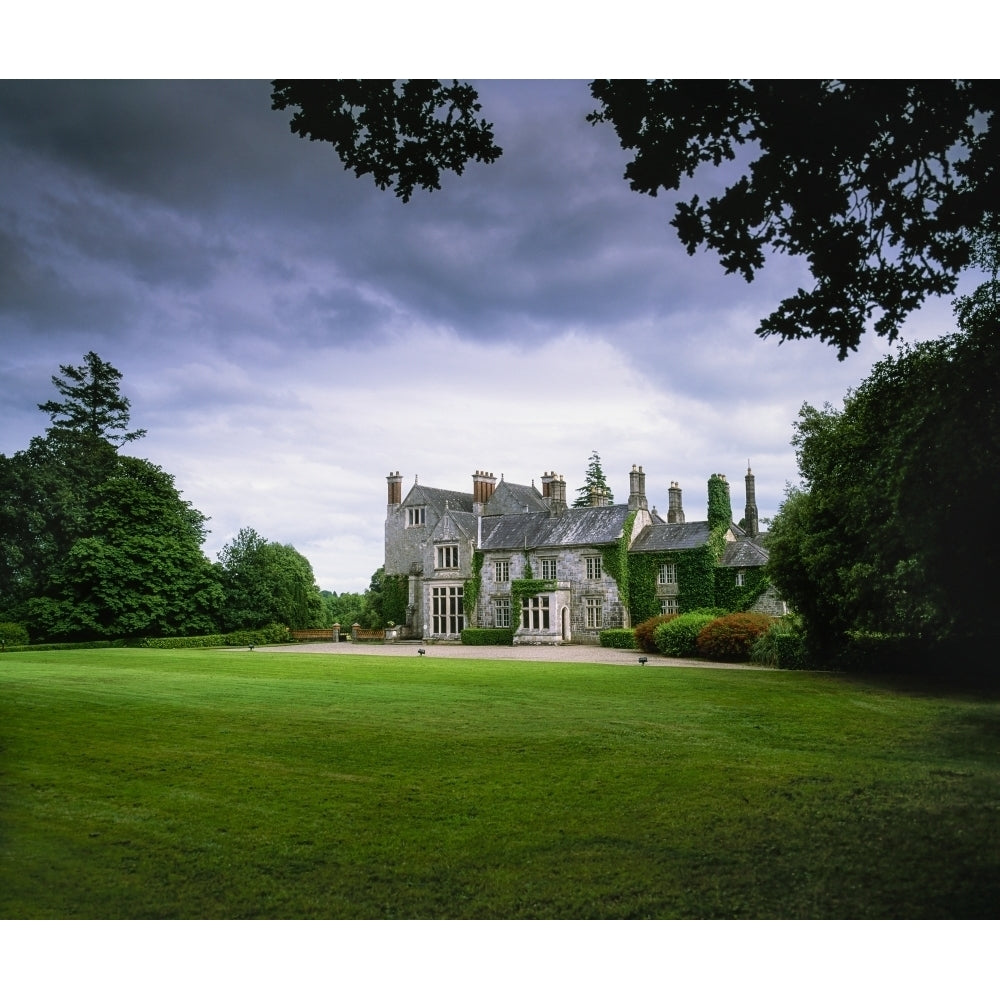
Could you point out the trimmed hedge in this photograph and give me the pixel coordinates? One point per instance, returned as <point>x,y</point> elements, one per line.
<point>731,637</point>
<point>644,631</point>
<point>618,638</point>
<point>679,636</point>
<point>268,635</point>
<point>488,637</point>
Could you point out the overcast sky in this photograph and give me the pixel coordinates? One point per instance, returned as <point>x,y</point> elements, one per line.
<point>289,335</point>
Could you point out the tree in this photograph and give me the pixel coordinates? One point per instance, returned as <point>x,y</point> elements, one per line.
<point>402,135</point>
<point>94,543</point>
<point>890,532</point>
<point>91,402</point>
<point>266,582</point>
<point>137,569</point>
<point>876,185</point>
<point>596,485</point>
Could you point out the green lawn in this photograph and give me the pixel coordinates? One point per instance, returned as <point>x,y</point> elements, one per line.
<point>229,784</point>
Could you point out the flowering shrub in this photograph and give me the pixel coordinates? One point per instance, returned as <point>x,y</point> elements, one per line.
<point>679,635</point>
<point>732,636</point>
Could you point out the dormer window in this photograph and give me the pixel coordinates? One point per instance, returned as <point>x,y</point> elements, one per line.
<point>416,516</point>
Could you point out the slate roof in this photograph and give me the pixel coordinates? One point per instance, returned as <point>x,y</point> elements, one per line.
<point>437,499</point>
<point>744,552</point>
<point>514,498</point>
<point>575,526</point>
<point>671,537</point>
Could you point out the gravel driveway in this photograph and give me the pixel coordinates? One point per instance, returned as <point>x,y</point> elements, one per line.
<point>455,650</point>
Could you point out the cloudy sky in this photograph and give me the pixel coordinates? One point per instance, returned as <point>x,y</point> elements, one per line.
<point>289,335</point>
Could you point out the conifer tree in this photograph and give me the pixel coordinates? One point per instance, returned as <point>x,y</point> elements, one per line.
<point>595,485</point>
<point>91,402</point>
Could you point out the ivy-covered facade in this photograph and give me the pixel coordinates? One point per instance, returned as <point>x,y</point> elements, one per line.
<point>510,556</point>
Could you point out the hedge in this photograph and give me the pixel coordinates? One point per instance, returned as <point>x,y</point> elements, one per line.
<point>488,637</point>
<point>268,635</point>
<point>618,638</point>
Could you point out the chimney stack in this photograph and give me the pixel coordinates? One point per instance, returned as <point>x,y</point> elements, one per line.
<point>675,511</point>
<point>395,481</point>
<point>637,489</point>
<point>483,485</point>
<point>750,514</point>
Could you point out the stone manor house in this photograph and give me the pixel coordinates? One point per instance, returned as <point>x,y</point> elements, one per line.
<point>507,555</point>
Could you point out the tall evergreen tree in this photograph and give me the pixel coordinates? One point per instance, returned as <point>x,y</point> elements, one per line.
<point>91,402</point>
<point>595,485</point>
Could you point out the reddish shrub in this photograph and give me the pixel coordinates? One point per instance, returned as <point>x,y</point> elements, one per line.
<point>644,632</point>
<point>732,636</point>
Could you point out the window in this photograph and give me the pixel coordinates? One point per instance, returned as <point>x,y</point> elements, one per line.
<point>548,569</point>
<point>593,567</point>
<point>535,613</point>
<point>594,612</point>
<point>416,516</point>
<point>668,573</point>
<point>501,570</point>
<point>668,606</point>
<point>447,611</point>
<point>447,556</point>
<point>501,613</point>
<point>740,578</point>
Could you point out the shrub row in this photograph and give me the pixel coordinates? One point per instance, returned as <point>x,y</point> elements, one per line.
<point>268,635</point>
<point>618,638</point>
<point>488,637</point>
<point>705,633</point>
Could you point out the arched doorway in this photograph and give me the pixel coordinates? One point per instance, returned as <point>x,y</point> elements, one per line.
<point>565,624</point>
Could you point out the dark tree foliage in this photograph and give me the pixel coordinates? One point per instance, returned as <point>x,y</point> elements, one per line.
<point>877,184</point>
<point>91,402</point>
<point>892,531</point>
<point>403,134</point>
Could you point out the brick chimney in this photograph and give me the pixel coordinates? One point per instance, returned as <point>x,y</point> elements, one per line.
<point>675,510</point>
<point>637,489</point>
<point>395,481</point>
<point>483,485</point>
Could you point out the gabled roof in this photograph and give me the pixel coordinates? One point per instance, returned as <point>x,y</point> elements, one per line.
<point>744,552</point>
<point>513,498</point>
<point>575,526</point>
<point>453,525</point>
<point>437,499</point>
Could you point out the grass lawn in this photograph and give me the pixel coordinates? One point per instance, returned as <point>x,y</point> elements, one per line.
<point>227,784</point>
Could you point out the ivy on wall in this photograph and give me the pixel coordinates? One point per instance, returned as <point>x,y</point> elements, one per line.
<point>733,598</point>
<point>395,597</point>
<point>473,585</point>
<point>615,560</point>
